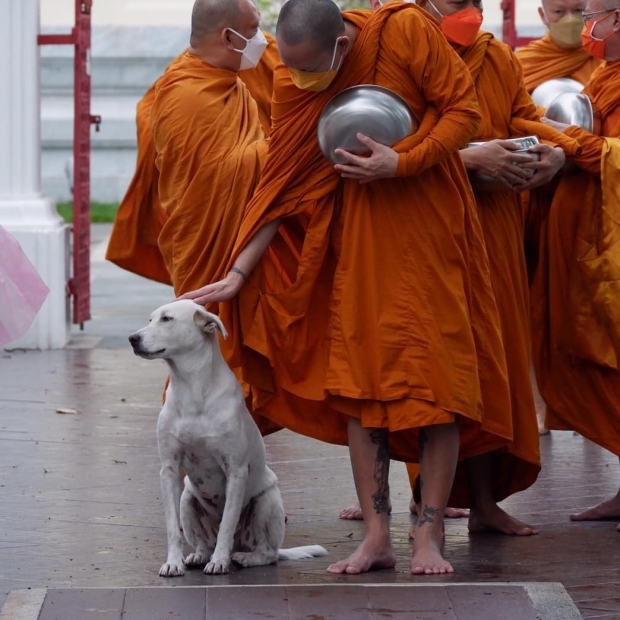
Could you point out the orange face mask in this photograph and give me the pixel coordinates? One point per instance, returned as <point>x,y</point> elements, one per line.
<point>461,27</point>
<point>595,47</point>
<point>316,81</point>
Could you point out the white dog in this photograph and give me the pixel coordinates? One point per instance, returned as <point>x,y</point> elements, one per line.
<point>231,508</point>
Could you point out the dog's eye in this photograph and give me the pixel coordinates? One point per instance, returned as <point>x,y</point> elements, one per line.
<point>165,319</point>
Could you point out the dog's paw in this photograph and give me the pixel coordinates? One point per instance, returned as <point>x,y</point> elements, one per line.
<point>172,569</point>
<point>195,560</point>
<point>218,566</point>
<point>240,558</point>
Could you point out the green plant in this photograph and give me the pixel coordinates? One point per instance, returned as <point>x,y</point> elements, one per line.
<point>100,212</point>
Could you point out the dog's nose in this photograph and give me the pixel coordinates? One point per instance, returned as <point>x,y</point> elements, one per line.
<point>134,339</point>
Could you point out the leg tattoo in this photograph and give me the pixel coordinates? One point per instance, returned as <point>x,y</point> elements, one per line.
<point>428,515</point>
<point>381,498</point>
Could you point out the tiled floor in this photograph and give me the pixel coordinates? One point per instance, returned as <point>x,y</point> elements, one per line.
<point>335,602</point>
<point>79,492</point>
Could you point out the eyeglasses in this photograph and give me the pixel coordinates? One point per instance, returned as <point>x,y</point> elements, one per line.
<point>588,16</point>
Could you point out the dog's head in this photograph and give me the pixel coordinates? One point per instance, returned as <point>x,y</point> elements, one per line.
<point>175,329</point>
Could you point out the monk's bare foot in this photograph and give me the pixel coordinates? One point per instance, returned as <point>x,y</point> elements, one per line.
<point>354,512</point>
<point>372,554</point>
<point>427,558</point>
<point>604,511</point>
<point>494,519</point>
<point>451,513</point>
<point>412,532</point>
<point>540,417</point>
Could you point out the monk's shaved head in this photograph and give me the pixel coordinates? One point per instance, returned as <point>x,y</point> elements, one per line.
<point>316,21</point>
<point>211,16</point>
<point>563,6</point>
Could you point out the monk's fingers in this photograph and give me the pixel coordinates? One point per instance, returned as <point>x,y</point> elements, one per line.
<point>506,144</point>
<point>514,172</point>
<point>354,172</point>
<point>516,158</point>
<point>348,168</point>
<point>202,301</point>
<point>370,143</point>
<point>540,178</point>
<point>356,160</point>
<point>514,175</point>
<point>194,294</point>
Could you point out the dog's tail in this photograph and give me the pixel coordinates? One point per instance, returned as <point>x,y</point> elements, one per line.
<point>302,553</point>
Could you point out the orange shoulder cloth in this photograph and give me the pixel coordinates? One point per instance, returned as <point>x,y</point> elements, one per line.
<point>259,81</point>
<point>543,60</point>
<point>209,143</point>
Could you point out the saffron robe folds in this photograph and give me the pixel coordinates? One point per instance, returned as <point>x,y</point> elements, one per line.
<point>575,309</point>
<point>140,218</point>
<point>374,300</point>
<point>543,60</point>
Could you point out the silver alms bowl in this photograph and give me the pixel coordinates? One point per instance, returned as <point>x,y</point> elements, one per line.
<point>546,92</point>
<point>572,109</point>
<point>377,112</point>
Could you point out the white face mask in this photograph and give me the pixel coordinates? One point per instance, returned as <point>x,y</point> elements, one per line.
<point>251,54</point>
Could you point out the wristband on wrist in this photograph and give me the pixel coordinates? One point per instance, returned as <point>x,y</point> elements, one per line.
<point>241,273</point>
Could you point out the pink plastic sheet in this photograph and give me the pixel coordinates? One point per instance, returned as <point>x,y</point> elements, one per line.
<point>22,291</point>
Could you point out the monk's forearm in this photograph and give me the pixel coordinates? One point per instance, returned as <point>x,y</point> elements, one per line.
<point>589,159</point>
<point>250,255</point>
<point>452,132</point>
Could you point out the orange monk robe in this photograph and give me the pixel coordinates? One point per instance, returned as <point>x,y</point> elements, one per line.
<point>383,307</point>
<point>209,144</point>
<point>259,81</point>
<point>210,148</point>
<point>543,60</point>
<point>140,218</point>
<point>507,111</point>
<point>576,291</point>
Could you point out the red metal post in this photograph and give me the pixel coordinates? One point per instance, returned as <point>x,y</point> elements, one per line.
<point>509,26</point>
<point>80,285</point>
<point>80,37</point>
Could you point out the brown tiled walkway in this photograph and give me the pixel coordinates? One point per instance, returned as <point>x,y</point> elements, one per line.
<point>326,602</point>
<point>80,504</point>
<point>80,499</point>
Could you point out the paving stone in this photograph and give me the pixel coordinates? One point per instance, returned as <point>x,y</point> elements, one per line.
<point>87,604</point>
<point>165,604</point>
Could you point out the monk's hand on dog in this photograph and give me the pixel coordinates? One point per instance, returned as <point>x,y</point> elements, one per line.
<point>551,162</point>
<point>380,164</point>
<point>495,160</point>
<point>223,290</point>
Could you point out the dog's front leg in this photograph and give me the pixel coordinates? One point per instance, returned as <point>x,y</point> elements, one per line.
<point>235,492</point>
<point>170,478</point>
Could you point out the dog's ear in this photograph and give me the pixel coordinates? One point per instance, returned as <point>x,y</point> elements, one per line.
<point>209,322</point>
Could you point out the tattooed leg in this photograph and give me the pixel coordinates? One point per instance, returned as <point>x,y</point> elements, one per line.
<point>381,497</point>
<point>370,460</point>
<point>439,449</point>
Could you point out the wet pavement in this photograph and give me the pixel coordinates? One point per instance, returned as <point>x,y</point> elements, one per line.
<point>80,502</point>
